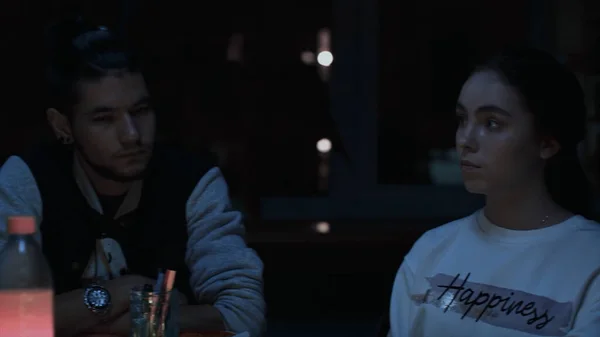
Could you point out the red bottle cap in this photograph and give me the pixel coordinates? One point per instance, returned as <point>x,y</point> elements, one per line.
<point>21,225</point>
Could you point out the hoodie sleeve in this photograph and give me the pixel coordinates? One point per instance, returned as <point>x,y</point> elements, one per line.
<point>224,271</point>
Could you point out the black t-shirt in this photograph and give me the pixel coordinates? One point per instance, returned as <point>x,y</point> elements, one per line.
<point>110,204</point>
<point>110,227</point>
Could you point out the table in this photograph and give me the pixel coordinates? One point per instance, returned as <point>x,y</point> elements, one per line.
<point>207,334</point>
<point>187,334</point>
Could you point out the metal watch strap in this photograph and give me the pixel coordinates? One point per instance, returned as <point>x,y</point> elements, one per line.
<point>97,299</point>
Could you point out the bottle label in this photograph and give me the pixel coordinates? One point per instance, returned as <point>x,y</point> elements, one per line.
<point>27,313</point>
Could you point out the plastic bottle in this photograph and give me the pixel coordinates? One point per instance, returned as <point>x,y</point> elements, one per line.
<point>26,294</point>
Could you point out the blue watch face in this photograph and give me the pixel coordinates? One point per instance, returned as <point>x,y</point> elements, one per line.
<point>97,297</point>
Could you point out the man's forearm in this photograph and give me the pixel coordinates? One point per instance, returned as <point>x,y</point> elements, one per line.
<point>72,317</point>
<point>201,318</point>
<point>191,317</point>
<point>121,326</point>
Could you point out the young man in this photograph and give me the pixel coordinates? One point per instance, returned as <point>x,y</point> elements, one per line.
<point>113,207</point>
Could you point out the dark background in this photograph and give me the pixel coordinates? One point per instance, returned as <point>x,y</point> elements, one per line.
<point>397,69</point>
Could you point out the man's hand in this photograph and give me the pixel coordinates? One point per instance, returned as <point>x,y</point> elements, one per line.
<point>72,317</point>
<point>200,318</point>
<point>181,298</point>
<point>121,325</point>
<point>120,289</point>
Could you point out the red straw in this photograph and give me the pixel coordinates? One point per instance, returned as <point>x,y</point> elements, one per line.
<point>169,280</point>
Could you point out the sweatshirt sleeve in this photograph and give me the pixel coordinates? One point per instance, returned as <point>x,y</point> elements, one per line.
<point>19,195</point>
<point>224,271</point>
<point>587,320</point>
<point>400,302</point>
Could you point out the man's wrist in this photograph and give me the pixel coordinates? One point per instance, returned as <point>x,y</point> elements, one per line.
<point>97,299</point>
<point>120,296</point>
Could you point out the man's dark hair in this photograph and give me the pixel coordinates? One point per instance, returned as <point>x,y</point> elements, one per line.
<point>552,93</point>
<point>79,51</point>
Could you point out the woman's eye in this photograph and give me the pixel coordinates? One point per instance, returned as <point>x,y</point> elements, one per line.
<point>492,124</point>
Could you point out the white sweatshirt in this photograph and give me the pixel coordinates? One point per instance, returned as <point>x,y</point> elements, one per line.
<point>472,278</point>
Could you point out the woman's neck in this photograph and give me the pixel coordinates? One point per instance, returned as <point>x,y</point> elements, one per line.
<point>526,208</point>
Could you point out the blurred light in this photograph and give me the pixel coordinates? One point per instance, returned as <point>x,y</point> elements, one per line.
<point>307,57</point>
<point>324,55</point>
<point>324,145</point>
<point>325,58</point>
<point>322,227</point>
<point>235,50</point>
<point>324,39</point>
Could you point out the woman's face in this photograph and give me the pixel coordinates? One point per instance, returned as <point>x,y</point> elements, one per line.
<point>496,139</point>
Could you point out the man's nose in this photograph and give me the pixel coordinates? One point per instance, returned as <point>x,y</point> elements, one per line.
<point>129,132</point>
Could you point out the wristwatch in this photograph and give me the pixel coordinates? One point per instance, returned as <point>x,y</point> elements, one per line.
<point>97,299</point>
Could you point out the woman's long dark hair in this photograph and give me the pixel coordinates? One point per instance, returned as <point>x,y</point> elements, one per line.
<point>554,96</point>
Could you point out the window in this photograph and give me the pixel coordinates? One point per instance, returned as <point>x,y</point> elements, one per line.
<point>426,53</point>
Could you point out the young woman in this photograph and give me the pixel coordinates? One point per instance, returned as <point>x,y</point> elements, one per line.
<point>526,264</point>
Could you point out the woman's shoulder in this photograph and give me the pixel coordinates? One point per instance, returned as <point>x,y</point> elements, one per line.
<point>448,228</point>
<point>586,223</point>
<point>439,237</point>
<point>587,232</point>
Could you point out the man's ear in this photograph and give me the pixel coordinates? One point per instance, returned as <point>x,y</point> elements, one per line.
<point>60,125</point>
<point>549,148</point>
